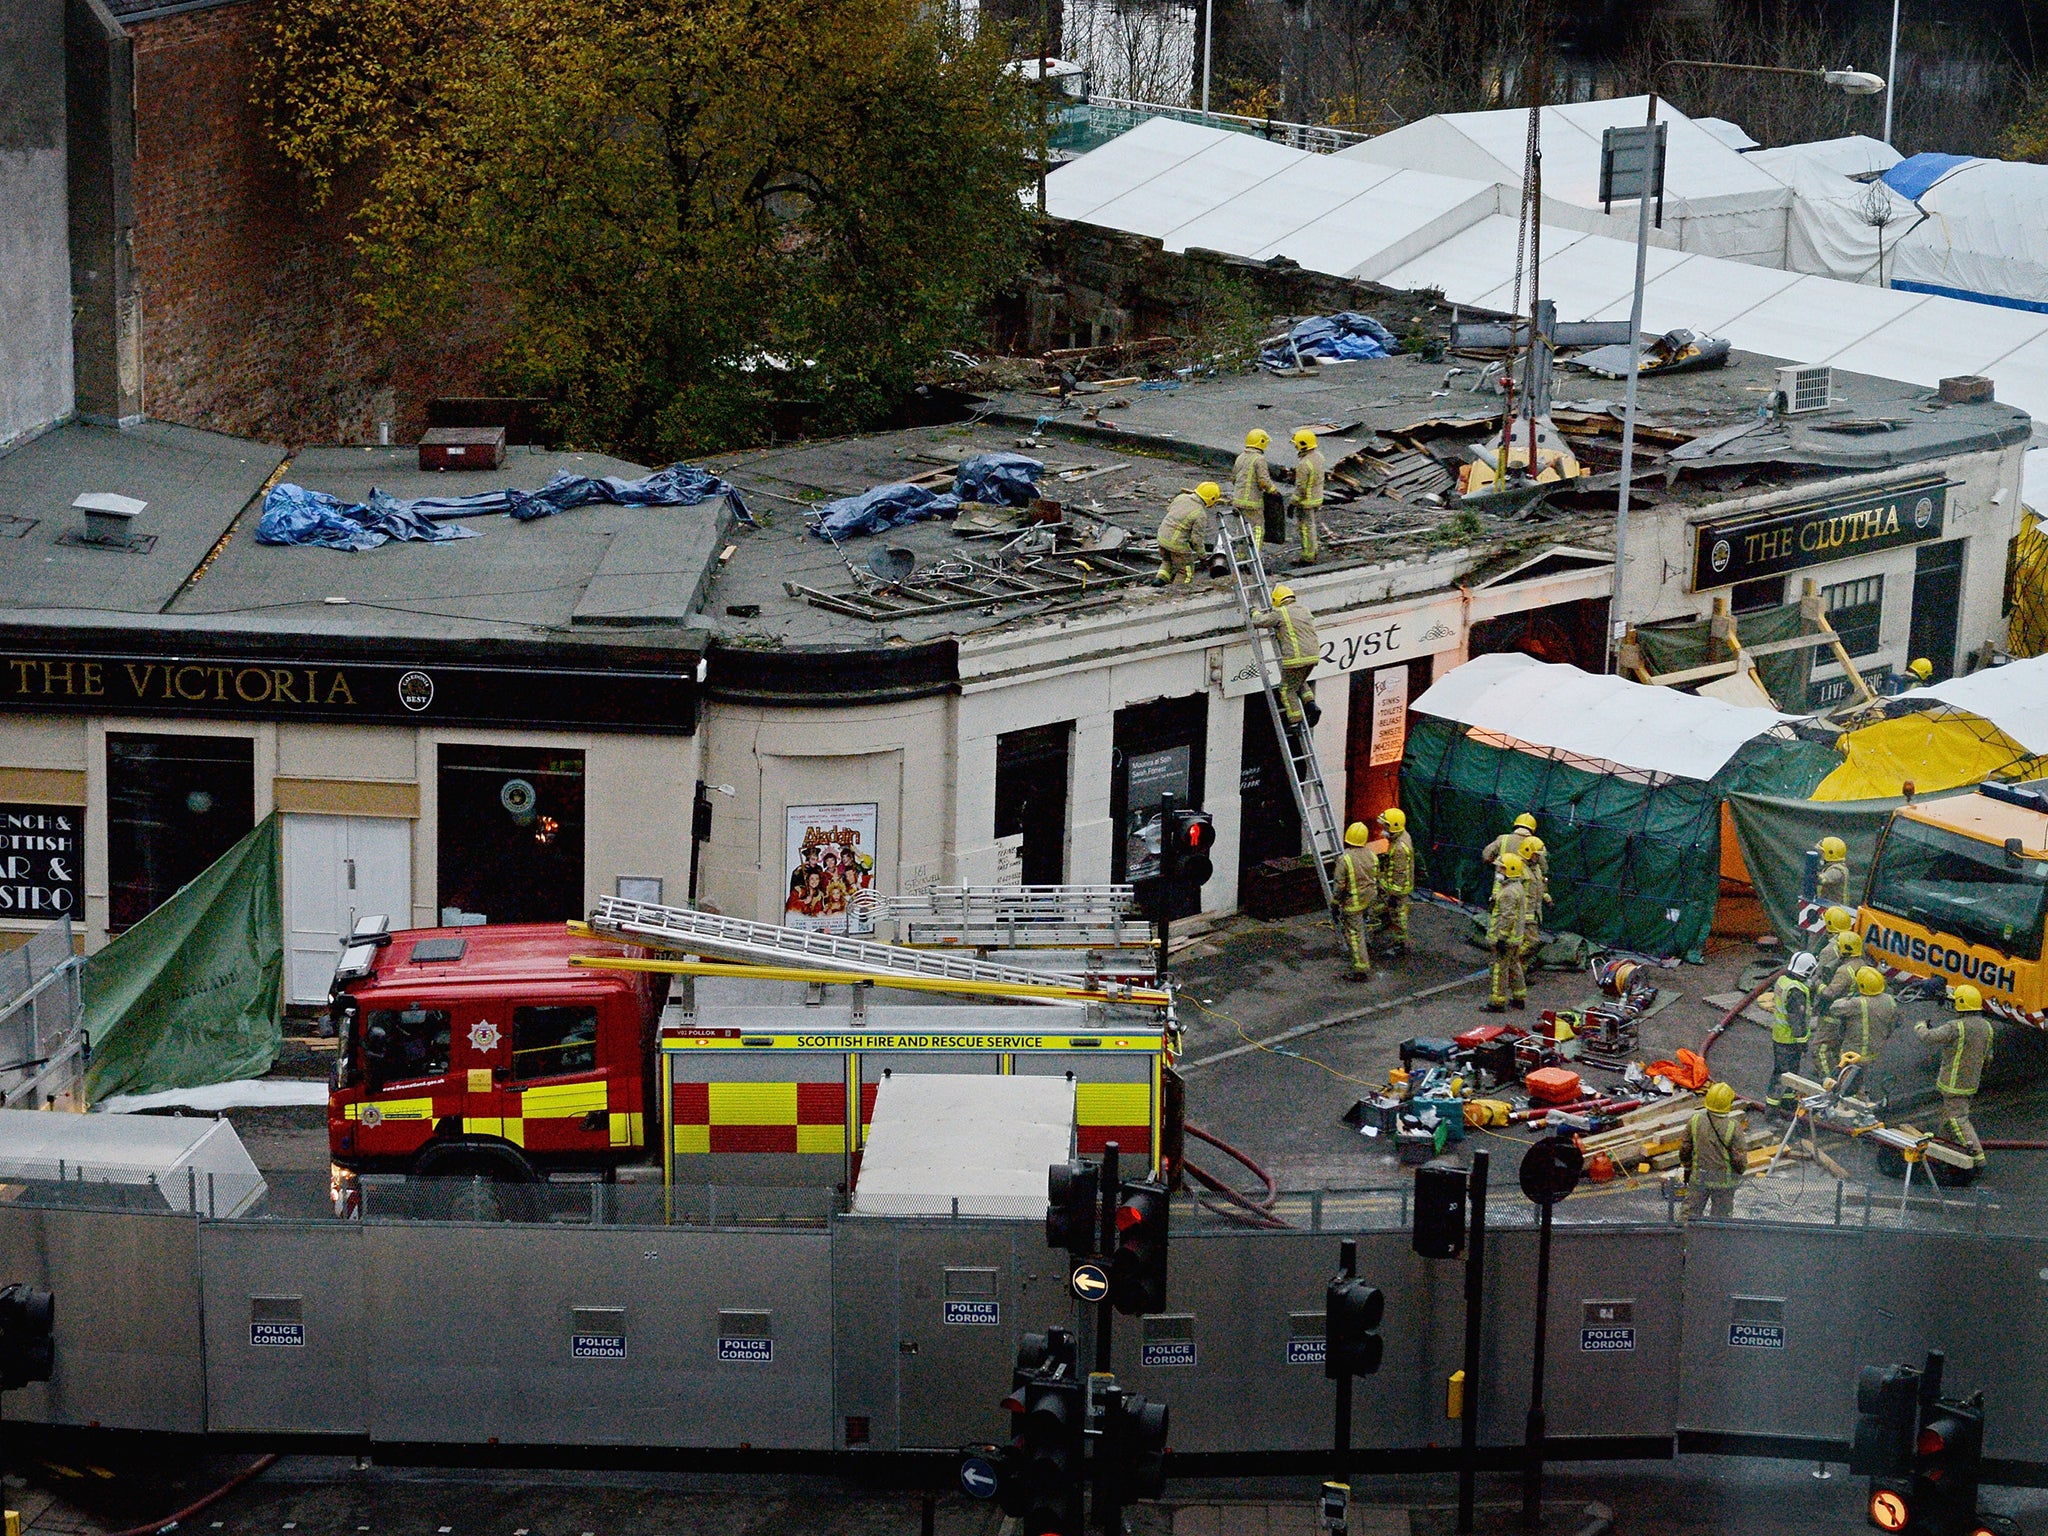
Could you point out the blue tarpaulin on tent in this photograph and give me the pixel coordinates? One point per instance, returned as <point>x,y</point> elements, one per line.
<point>1912,176</point>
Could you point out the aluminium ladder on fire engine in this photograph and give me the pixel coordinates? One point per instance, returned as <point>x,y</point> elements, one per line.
<point>1240,547</point>
<point>708,933</point>
<point>1013,916</point>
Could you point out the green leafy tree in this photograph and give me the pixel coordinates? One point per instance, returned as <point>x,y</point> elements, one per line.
<point>689,211</point>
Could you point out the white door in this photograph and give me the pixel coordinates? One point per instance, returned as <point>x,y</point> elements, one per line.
<point>336,869</point>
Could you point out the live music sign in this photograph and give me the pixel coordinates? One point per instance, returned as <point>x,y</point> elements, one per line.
<point>1817,532</point>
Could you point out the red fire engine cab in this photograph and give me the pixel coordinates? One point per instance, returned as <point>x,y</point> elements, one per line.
<point>467,1052</point>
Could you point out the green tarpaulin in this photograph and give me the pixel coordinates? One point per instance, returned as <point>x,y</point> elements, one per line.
<point>1676,646</point>
<point>191,994</point>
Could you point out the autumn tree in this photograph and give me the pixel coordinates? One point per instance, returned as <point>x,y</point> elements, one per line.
<point>689,210</point>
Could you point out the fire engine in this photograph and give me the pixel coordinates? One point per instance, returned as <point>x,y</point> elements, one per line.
<point>506,1055</point>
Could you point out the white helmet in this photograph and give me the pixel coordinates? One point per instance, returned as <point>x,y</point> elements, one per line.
<point>1801,966</point>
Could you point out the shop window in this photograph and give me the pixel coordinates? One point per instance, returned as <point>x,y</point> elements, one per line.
<point>511,835</point>
<point>1031,799</point>
<point>1855,608</point>
<point>1159,750</point>
<point>547,1042</point>
<point>174,805</point>
<point>1755,596</point>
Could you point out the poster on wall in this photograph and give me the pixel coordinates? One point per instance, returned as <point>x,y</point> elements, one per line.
<point>40,860</point>
<point>831,859</point>
<point>1389,716</point>
<point>1149,776</point>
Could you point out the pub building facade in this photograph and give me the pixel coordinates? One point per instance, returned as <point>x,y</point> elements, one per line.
<point>1909,562</point>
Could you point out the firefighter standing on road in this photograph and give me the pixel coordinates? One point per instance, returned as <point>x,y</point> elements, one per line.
<point>1964,1039</point>
<point>1832,887</point>
<point>1855,1023</point>
<point>1357,885</point>
<point>1839,961</point>
<point>1509,927</point>
<point>1791,1025</point>
<point>1309,474</point>
<point>1397,879</point>
<point>1511,841</point>
<point>1254,491</point>
<point>1713,1154</point>
<point>1294,637</point>
<point>1183,534</point>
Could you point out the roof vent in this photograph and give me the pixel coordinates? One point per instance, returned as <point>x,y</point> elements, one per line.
<point>1805,389</point>
<point>109,519</point>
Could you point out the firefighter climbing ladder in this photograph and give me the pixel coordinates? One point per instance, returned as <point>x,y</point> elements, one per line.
<point>706,933</point>
<point>1297,742</point>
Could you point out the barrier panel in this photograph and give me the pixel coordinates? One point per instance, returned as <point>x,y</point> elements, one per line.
<point>284,1327</point>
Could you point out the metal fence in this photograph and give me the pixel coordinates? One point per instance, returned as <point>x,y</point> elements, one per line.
<point>42,1042</point>
<point>1079,130</point>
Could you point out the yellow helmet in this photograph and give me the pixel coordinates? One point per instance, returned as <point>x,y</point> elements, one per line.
<point>1394,819</point>
<point>1282,594</point>
<point>1209,491</point>
<point>1304,439</point>
<point>1833,849</point>
<point>1511,865</point>
<point>1839,919</point>
<point>1532,848</point>
<point>1967,999</point>
<point>1256,438</point>
<point>1356,836</point>
<point>1869,980</point>
<point>1921,668</point>
<point>1720,1098</point>
<point>1526,822</point>
<point>1849,943</point>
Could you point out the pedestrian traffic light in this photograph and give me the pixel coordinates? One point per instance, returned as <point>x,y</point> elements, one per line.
<point>1038,1476</point>
<point>1137,1270</point>
<point>1439,1212</point>
<point>1887,1407</point>
<point>1946,1460</point>
<point>1072,1219</point>
<point>1192,836</point>
<point>28,1319</point>
<point>1134,1442</point>
<point>1351,1328</point>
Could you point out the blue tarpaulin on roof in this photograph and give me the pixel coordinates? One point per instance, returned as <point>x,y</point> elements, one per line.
<point>294,515</point>
<point>886,506</point>
<point>1005,479</point>
<point>1912,176</point>
<point>1345,335</point>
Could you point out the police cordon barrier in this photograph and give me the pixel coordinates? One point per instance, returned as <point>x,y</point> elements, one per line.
<point>881,1335</point>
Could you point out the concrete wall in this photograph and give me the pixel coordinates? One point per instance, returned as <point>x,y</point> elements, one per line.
<point>35,262</point>
<point>107,311</point>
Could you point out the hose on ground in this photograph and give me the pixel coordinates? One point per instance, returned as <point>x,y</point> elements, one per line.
<point>1253,1210</point>
<point>261,1464</point>
<point>1728,1019</point>
<point>1272,1192</point>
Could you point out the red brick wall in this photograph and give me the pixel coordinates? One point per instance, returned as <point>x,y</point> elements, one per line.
<point>250,321</point>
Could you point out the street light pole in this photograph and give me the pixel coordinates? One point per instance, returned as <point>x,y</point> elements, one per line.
<point>1891,72</point>
<point>1209,16</point>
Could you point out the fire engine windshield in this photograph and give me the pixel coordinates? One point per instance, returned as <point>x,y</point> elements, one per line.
<point>405,1042</point>
<point>1957,885</point>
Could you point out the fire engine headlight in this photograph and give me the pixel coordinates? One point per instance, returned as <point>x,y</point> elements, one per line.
<point>344,1190</point>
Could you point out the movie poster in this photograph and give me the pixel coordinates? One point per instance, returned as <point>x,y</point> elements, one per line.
<point>831,859</point>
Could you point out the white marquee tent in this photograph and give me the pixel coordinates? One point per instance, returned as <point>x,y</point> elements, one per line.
<point>1194,186</point>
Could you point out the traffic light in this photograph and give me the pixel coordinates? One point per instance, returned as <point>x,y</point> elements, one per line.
<point>1351,1328</point>
<point>28,1319</point>
<point>1134,1442</point>
<point>1439,1212</point>
<point>1945,1466</point>
<point>1038,1478</point>
<point>1191,836</point>
<point>1137,1270</point>
<point>1072,1220</point>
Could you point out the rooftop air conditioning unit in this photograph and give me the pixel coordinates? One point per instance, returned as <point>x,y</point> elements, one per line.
<point>1805,389</point>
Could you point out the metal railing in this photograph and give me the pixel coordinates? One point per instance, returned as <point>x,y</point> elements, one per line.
<point>42,1018</point>
<point>1108,116</point>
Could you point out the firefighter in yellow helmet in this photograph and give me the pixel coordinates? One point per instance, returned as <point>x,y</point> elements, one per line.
<point>1839,960</point>
<point>1358,882</point>
<point>1510,925</point>
<point>1921,670</point>
<point>1183,534</point>
<point>1713,1152</point>
<point>1855,1024</point>
<point>1511,841</point>
<point>1310,472</point>
<point>1254,492</point>
<point>1832,887</point>
<point>1294,639</point>
<point>1964,1040</point>
<point>1397,879</point>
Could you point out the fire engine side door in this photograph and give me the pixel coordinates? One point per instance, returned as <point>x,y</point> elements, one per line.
<point>481,1059</point>
<point>558,1088</point>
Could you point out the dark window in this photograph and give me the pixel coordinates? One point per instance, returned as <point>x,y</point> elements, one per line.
<point>1752,596</point>
<point>1031,798</point>
<point>401,1043</point>
<point>174,805</point>
<point>1855,608</point>
<point>511,834</point>
<point>549,1041</point>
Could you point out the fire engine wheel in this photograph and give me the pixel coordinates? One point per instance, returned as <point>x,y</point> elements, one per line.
<point>481,1183</point>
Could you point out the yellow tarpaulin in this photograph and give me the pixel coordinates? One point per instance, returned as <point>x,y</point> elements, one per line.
<point>1931,752</point>
<point>2027,571</point>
